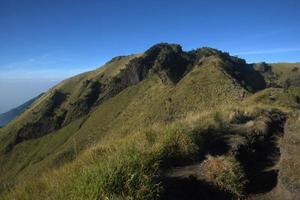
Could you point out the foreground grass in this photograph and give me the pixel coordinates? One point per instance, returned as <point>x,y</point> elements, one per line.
<point>226,173</point>
<point>126,169</point>
<point>133,166</point>
<point>290,162</point>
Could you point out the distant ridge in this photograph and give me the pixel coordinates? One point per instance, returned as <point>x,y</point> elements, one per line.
<point>165,124</point>
<point>6,117</point>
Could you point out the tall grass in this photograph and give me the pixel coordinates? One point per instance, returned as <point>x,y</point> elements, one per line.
<point>128,168</point>
<point>226,173</point>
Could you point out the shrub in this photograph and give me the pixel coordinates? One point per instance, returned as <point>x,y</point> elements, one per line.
<point>239,117</point>
<point>177,146</point>
<point>124,168</point>
<point>225,172</point>
<point>125,175</point>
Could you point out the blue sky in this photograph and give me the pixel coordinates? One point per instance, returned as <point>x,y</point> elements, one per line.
<point>54,39</point>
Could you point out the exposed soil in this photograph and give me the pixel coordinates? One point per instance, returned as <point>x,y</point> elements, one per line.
<point>255,148</point>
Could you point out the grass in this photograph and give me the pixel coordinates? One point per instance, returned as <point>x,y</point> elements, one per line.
<point>286,71</point>
<point>121,148</point>
<point>226,173</point>
<point>72,88</point>
<point>127,168</point>
<point>131,167</point>
<point>276,97</point>
<point>33,162</point>
<point>290,162</point>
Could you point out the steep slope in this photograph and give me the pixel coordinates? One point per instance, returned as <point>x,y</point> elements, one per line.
<point>62,104</point>
<point>113,123</point>
<point>77,96</point>
<point>13,113</point>
<point>162,84</point>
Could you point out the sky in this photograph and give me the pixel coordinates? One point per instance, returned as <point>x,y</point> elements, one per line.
<point>44,41</point>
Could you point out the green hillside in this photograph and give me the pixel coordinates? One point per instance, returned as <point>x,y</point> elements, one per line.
<point>280,74</point>
<point>164,124</point>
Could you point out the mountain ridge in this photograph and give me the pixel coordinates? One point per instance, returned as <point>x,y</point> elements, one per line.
<point>153,61</point>
<point>129,94</point>
<point>8,116</point>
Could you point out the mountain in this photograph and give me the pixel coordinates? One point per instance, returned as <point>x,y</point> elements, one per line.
<point>164,124</point>
<point>13,113</point>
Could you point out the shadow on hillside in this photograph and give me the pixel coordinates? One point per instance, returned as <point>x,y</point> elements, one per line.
<point>181,182</point>
<point>260,158</point>
<point>258,167</point>
<point>191,189</point>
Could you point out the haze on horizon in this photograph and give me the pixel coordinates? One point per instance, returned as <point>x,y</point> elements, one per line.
<point>44,42</point>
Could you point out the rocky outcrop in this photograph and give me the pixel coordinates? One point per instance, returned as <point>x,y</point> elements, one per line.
<point>48,121</point>
<point>168,61</point>
<point>89,93</point>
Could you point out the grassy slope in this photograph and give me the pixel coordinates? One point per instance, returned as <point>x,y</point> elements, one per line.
<point>284,68</point>
<point>290,161</point>
<point>110,133</point>
<point>286,71</point>
<point>276,97</point>
<point>135,108</point>
<point>31,152</point>
<point>71,86</point>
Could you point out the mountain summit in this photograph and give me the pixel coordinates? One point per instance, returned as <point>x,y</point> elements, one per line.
<point>163,124</point>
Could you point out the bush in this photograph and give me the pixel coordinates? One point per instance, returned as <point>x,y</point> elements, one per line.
<point>124,175</point>
<point>224,172</point>
<point>126,168</point>
<point>177,146</point>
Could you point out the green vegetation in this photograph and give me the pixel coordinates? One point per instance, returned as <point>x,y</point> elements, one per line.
<point>289,169</point>
<point>127,168</point>
<point>226,173</point>
<point>116,132</point>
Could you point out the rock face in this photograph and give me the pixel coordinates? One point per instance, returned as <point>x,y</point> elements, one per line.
<point>49,121</point>
<point>168,61</point>
<point>263,67</point>
<point>89,93</point>
<point>266,71</point>
<point>171,64</point>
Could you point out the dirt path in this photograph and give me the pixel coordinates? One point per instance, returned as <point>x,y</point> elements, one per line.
<point>258,152</point>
